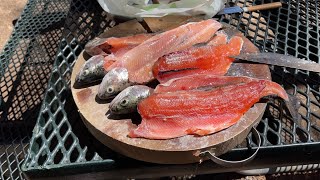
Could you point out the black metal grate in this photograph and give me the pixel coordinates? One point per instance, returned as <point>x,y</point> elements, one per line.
<point>25,67</point>
<point>60,140</point>
<point>292,30</point>
<point>55,137</point>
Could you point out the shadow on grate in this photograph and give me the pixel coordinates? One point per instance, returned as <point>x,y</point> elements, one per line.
<point>25,67</point>
<point>61,141</point>
<point>60,136</point>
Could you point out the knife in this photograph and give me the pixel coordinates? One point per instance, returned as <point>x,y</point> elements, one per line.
<point>280,60</point>
<point>238,9</point>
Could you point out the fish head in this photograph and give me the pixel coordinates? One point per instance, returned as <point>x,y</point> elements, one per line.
<point>127,101</point>
<point>124,102</point>
<point>91,71</point>
<point>113,83</point>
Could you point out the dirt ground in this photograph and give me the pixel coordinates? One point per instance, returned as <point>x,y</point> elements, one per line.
<point>9,11</point>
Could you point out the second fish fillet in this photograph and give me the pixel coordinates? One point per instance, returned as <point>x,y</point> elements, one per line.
<point>139,60</point>
<point>195,60</point>
<point>200,82</point>
<point>175,114</point>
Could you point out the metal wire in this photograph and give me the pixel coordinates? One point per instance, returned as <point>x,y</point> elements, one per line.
<point>25,67</point>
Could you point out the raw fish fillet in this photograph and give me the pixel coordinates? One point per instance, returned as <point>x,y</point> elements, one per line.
<point>220,38</point>
<point>248,46</point>
<point>111,58</point>
<point>105,46</point>
<point>175,114</point>
<point>197,60</point>
<point>200,82</point>
<point>139,60</point>
<point>129,41</point>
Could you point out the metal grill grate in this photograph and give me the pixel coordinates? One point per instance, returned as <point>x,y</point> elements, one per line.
<point>292,30</point>
<point>60,140</point>
<point>55,137</point>
<point>25,67</point>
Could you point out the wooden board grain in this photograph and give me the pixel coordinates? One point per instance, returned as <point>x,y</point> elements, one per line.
<point>113,132</point>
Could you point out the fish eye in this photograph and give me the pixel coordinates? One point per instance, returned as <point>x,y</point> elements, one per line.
<point>124,102</point>
<point>110,90</point>
<point>85,72</point>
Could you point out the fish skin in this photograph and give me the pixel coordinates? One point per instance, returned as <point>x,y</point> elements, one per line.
<point>174,114</point>
<point>113,83</point>
<point>200,81</point>
<point>197,60</point>
<point>91,71</point>
<point>139,60</point>
<point>94,68</point>
<point>127,101</point>
<point>104,46</point>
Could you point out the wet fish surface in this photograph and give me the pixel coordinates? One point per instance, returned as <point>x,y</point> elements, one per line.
<point>127,101</point>
<point>220,38</point>
<point>174,114</point>
<point>200,81</point>
<point>143,55</point>
<point>139,60</point>
<point>197,60</point>
<point>113,83</point>
<point>104,46</point>
<point>91,71</point>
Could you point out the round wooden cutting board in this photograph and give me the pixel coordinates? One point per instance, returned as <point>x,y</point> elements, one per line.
<point>113,131</point>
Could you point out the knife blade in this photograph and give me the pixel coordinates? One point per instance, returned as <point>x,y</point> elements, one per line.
<point>280,60</point>
<point>238,9</point>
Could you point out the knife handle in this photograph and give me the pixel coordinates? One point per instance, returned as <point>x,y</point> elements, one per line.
<point>263,7</point>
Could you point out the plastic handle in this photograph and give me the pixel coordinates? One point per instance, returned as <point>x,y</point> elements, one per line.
<point>263,7</point>
<point>226,163</point>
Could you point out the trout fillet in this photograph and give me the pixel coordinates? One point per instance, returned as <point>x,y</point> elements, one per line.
<point>195,112</point>
<point>197,60</point>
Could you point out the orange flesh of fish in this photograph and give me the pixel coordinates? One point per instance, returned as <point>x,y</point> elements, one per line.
<point>139,60</point>
<point>111,58</point>
<point>108,61</point>
<point>197,60</point>
<point>219,38</point>
<point>104,46</point>
<point>199,81</point>
<point>113,44</point>
<point>175,114</point>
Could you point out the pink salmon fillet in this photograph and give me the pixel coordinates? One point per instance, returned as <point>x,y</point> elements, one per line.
<point>139,60</point>
<point>196,112</point>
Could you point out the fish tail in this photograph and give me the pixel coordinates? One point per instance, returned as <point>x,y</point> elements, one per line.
<point>274,88</point>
